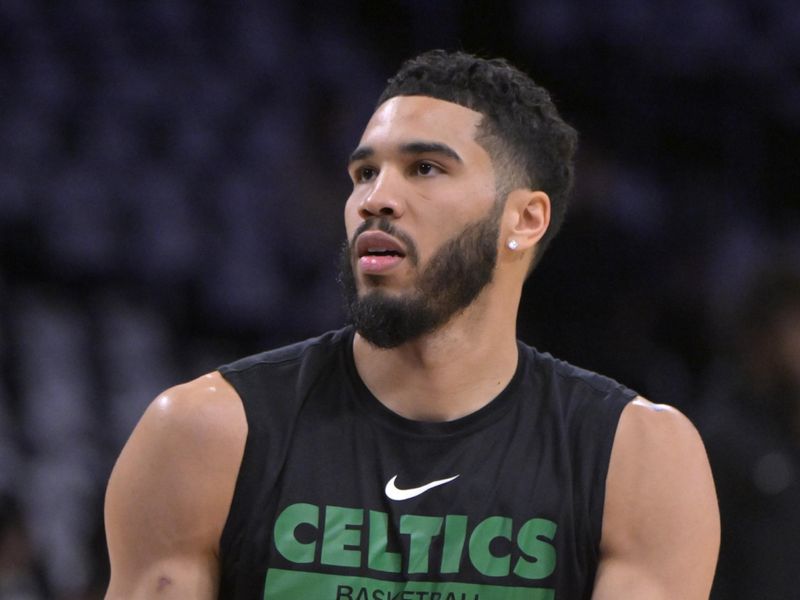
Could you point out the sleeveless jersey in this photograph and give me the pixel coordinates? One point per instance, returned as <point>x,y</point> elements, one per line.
<point>339,498</point>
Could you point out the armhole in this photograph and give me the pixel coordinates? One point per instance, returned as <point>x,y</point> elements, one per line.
<point>230,538</point>
<point>617,401</point>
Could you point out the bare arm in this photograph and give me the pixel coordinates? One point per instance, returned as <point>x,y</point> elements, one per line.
<point>170,493</point>
<point>661,529</point>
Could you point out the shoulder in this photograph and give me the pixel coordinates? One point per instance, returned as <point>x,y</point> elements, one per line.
<point>188,424</point>
<point>655,438</point>
<point>205,412</point>
<point>272,385</point>
<point>657,459</point>
<point>176,476</point>
<point>571,380</point>
<point>189,431</point>
<point>660,521</point>
<point>588,403</point>
<point>316,348</point>
<point>194,433</point>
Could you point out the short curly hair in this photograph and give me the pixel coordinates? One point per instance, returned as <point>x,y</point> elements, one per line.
<point>528,141</point>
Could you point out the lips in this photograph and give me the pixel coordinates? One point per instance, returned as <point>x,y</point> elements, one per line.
<point>377,243</point>
<point>378,252</point>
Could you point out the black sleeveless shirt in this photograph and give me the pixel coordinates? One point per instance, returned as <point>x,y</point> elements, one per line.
<point>338,498</point>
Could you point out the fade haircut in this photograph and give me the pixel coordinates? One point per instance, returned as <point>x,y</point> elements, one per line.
<point>529,143</point>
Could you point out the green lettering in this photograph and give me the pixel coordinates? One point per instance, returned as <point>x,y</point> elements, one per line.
<point>379,558</point>
<point>542,553</point>
<point>422,530</point>
<point>455,534</point>
<point>479,546</point>
<point>284,532</point>
<point>341,537</point>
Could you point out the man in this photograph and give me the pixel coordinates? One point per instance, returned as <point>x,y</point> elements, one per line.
<point>422,453</point>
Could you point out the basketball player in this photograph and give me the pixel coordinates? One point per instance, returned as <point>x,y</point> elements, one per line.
<point>422,452</point>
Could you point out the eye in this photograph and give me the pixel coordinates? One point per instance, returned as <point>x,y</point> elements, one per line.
<point>362,174</point>
<point>426,168</point>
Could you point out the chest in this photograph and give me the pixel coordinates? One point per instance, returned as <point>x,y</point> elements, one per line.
<point>491,508</point>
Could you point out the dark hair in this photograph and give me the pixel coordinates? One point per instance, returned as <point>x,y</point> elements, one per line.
<point>529,143</point>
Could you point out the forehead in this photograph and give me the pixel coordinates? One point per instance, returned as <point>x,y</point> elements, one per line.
<point>421,117</point>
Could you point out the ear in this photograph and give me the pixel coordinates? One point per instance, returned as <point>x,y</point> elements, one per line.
<point>526,219</point>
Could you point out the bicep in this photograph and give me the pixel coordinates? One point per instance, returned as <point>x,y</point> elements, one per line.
<point>661,522</point>
<point>167,501</point>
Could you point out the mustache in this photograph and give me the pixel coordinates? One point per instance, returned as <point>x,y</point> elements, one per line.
<point>385,225</point>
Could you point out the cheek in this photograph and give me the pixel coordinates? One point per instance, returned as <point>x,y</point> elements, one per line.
<point>351,217</point>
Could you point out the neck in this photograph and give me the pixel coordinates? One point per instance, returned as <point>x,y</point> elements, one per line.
<point>446,374</point>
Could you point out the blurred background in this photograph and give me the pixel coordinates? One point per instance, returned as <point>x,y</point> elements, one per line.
<point>171,186</point>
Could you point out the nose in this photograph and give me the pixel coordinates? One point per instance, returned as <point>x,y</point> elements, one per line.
<point>382,199</point>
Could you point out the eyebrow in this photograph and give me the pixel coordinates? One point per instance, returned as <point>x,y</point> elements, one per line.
<point>416,147</point>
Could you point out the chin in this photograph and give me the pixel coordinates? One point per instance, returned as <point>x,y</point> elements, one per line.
<point>370,284</point>
<point>378,292</point>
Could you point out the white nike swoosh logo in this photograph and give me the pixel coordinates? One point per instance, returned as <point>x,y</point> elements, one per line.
<point>395,493</point>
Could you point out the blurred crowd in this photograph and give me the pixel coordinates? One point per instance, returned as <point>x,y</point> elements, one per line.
<point>171,185</point>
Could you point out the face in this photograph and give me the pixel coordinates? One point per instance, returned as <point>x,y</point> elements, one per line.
<point>422,220</point>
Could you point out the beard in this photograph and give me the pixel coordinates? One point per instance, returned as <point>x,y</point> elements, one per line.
<point>448,284</point>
